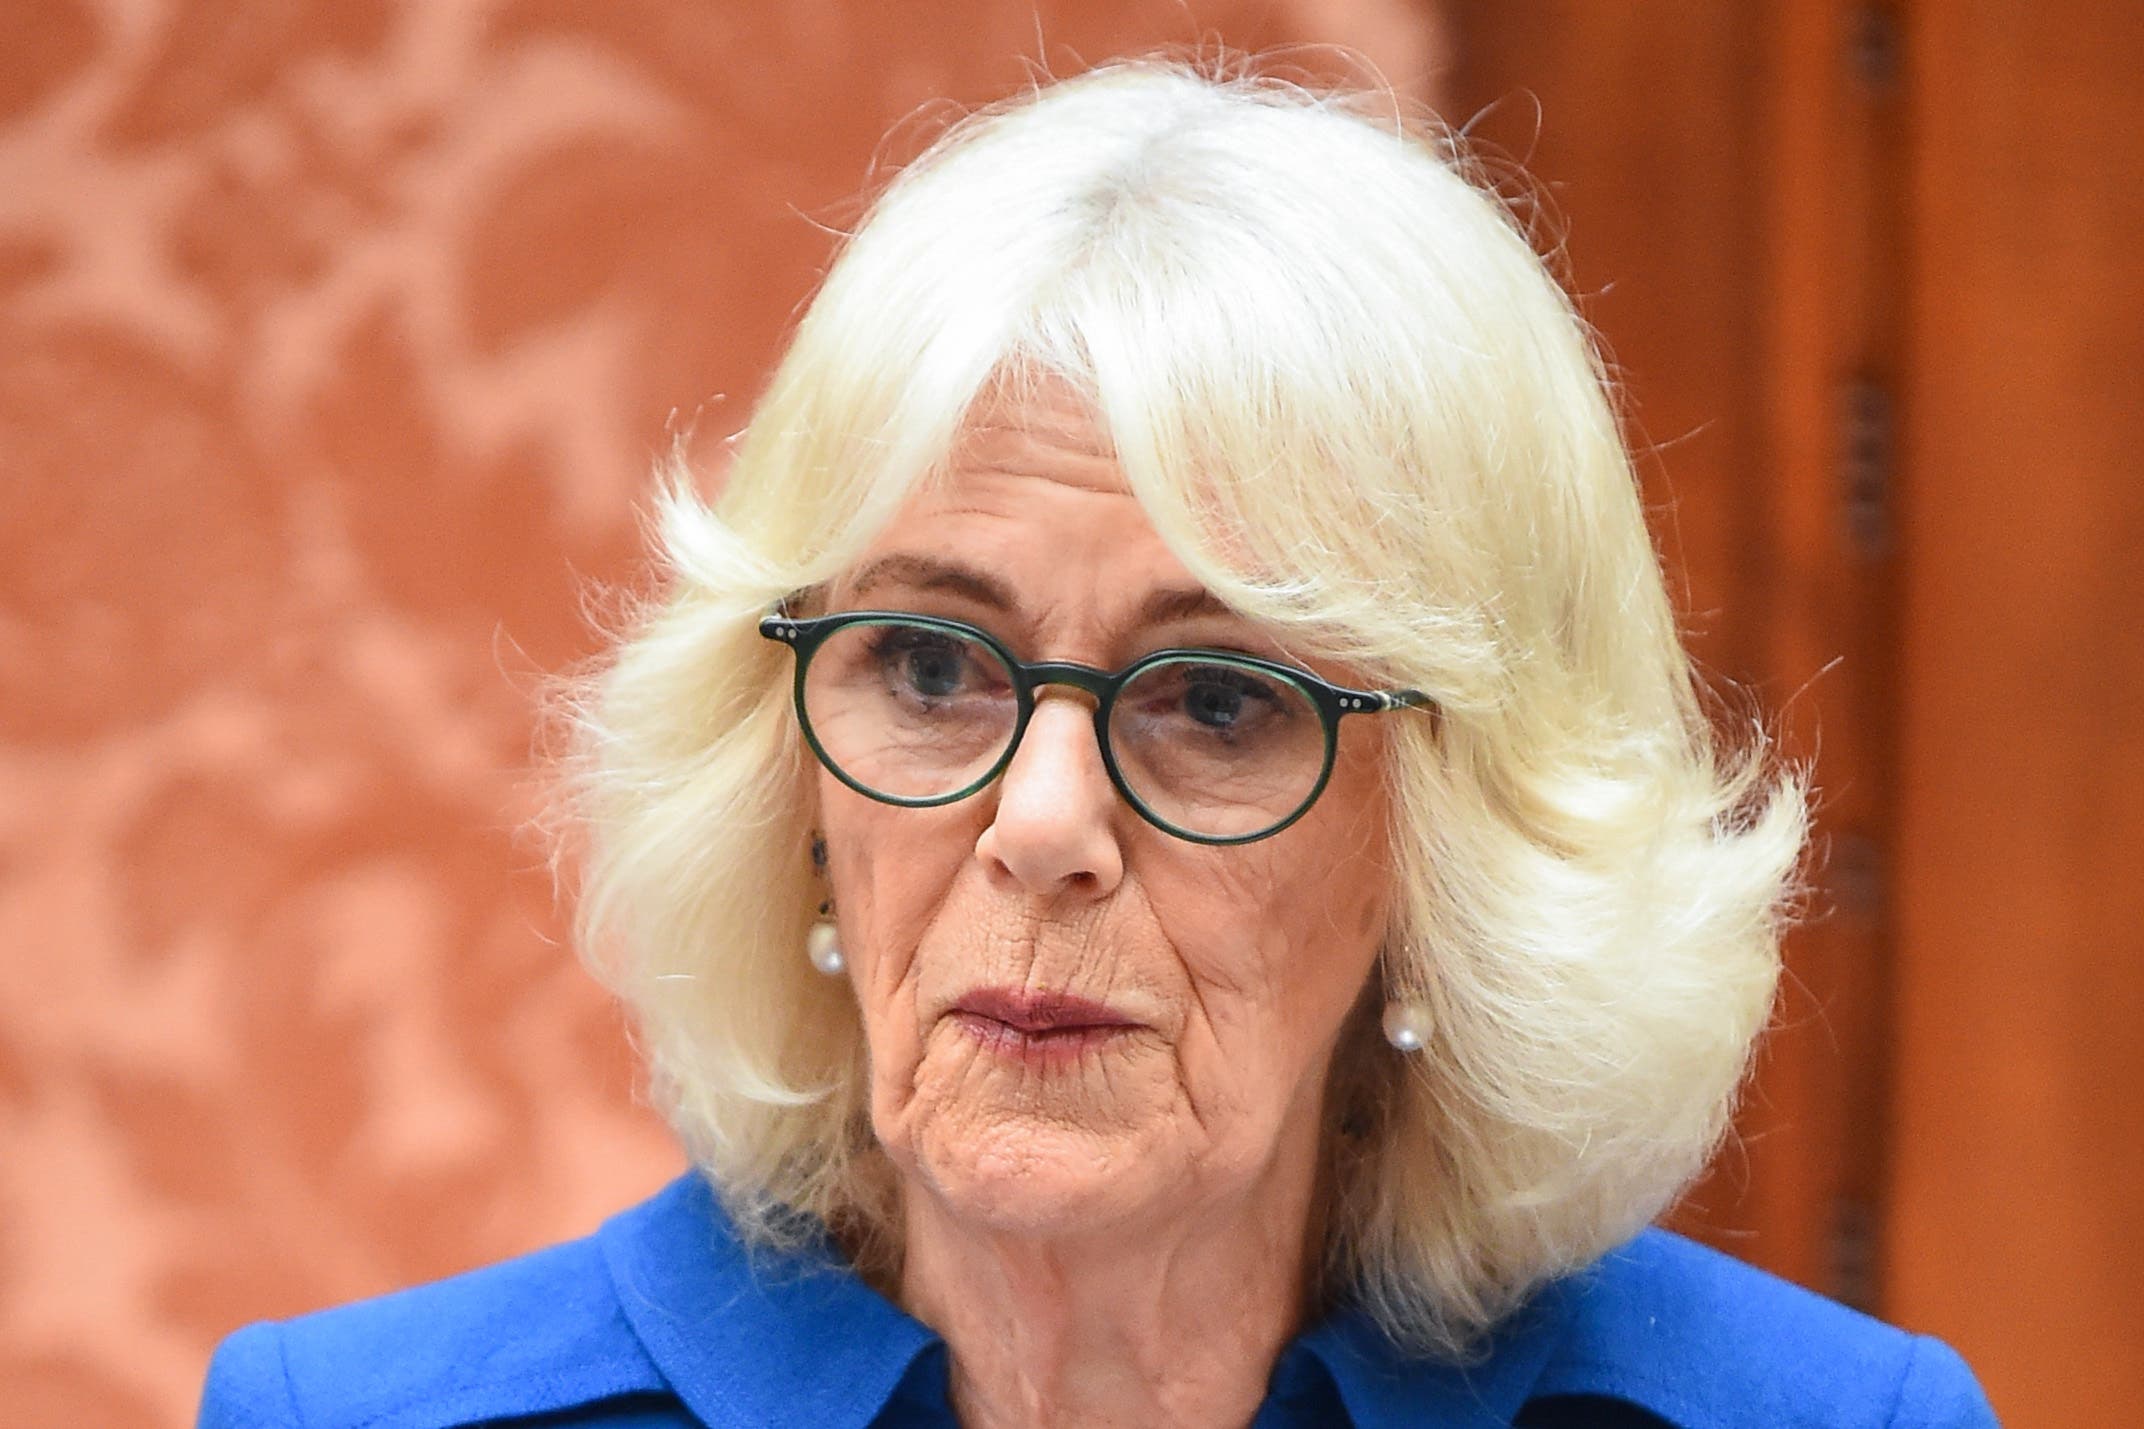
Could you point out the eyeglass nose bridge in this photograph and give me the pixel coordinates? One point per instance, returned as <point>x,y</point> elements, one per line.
<point>1089,680</point>
<point>1085,678</point>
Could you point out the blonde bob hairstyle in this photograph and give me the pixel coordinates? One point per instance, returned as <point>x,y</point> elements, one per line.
<point>1356,406</point>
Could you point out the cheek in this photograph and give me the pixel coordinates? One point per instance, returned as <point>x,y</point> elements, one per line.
<point>1281,937</point>
<point>889,871</point>
<point>1278,956</point>
<point>887,879</point>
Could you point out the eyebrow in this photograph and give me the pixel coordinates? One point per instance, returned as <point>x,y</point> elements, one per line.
<point>1170,604</point>
<point>927,573</point>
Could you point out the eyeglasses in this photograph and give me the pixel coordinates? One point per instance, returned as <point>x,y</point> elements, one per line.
<point>1209,745</point>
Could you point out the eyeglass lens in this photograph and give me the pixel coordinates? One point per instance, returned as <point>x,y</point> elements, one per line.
<point>917,712</point>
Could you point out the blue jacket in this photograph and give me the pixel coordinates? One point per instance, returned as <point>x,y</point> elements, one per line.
<point>658,1319</point>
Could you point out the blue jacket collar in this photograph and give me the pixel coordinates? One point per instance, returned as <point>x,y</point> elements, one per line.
<point>799,1338</point>
<point>751,1340</point>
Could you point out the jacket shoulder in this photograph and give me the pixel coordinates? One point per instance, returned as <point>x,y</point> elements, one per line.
<point>1706,1342</point>
<point>537,1334</point>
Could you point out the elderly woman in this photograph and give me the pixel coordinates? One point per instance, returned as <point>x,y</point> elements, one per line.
<point>1163,849</point>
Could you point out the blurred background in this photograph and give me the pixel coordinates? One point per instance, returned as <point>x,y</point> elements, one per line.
<point>337,338</point>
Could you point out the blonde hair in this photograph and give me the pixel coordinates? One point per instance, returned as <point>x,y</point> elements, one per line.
<point>1355,404</point>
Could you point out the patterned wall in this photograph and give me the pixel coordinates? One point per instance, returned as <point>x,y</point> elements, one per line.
<point>335,339</point>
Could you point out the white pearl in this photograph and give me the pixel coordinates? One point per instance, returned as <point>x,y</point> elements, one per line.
<point>823,943</point>
<point>1407,1025</point>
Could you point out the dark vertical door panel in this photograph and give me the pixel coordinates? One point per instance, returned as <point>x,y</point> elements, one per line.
<point>2019,1120</point>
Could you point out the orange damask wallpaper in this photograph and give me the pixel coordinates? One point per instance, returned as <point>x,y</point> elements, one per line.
<point>336,338</point>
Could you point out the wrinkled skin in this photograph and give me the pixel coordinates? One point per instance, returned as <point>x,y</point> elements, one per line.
<point>1238,965</point>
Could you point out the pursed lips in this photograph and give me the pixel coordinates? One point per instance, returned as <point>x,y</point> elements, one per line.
<point>1037,1025</point>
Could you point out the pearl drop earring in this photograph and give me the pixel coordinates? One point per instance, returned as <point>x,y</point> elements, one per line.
<point>1407,1025</point>
<point>823,943</point>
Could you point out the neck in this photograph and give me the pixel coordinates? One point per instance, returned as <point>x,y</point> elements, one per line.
<point>1177,1323</point>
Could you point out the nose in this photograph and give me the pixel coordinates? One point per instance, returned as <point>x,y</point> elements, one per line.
<point>1055,828</point>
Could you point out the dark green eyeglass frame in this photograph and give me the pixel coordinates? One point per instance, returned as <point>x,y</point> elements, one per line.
<point>1333,702</point>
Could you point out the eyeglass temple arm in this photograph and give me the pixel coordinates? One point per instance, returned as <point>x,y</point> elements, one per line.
<point>1378,701</point>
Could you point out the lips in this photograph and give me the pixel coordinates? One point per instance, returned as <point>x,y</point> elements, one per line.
<point>1039,1013</point>
<point>1038,1029</point>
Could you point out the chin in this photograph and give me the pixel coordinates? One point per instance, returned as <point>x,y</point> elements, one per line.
<point>1034,1178</point>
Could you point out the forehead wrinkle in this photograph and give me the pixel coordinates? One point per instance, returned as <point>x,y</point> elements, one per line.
<point>1057,445</point>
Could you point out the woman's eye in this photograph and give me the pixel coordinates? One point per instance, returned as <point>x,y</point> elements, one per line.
<point>925,663</point>
<point>1223,700</point>
<point>933,672</point>
<point>1213,704</point>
